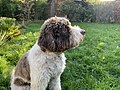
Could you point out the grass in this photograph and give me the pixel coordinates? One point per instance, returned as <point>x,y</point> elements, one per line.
<point>94,65</point>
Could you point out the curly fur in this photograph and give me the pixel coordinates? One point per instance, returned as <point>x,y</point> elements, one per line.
<point>41,67</point>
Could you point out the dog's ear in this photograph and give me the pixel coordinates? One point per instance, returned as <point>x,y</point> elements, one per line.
<point>61,35</point>
<point>46,40</point>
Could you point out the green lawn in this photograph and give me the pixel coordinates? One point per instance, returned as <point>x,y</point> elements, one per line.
<point>94,65</point>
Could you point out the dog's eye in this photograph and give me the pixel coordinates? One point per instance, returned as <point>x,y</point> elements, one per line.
<point>64,30</point>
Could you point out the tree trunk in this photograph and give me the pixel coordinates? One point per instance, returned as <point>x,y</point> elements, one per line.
<point>51,8</point>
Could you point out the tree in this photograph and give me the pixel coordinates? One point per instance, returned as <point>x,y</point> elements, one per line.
<point>51,7</point>
<point>25,10</point>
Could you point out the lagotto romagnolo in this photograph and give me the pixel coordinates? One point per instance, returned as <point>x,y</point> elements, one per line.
<point>41,67</point>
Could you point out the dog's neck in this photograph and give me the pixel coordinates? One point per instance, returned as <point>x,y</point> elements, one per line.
<point>38,50</point>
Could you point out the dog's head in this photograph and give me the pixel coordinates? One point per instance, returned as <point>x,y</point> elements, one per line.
<point>57,35</point>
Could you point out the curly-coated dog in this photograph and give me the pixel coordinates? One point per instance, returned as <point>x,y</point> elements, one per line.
<point>41,67</point>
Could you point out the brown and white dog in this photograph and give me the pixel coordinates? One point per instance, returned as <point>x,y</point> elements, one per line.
<point>41,67</point>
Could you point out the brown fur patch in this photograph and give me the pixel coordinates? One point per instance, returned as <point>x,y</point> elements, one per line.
<point>20,82</point>
<point>22,70</point>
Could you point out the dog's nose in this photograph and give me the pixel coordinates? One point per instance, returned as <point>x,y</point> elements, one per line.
<point>83,32</point>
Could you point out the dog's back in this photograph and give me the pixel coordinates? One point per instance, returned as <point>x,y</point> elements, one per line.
<point>21,75</point>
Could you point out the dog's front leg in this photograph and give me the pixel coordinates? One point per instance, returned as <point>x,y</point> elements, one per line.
<point>39,80</point>
<point>55,84</point>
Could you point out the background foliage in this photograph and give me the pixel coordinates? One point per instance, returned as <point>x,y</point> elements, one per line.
<point>84,10</point>
<point>7,8</point>
<point>77,11</point>
<point>42,10</point>
<point>8,29</point>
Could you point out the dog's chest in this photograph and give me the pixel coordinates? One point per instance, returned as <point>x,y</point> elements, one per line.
<point>53,64</point>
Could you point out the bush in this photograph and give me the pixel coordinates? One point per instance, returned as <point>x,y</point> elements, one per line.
<point>41,9</point>
<point>7,8</point>
<point>8,29</point>
<point>5,72</point>
<point>77,11</point>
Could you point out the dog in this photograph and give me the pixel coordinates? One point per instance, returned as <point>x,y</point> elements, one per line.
<point>41,67</point>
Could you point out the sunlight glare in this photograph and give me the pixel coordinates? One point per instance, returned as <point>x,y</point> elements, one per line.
<point>107,0</point>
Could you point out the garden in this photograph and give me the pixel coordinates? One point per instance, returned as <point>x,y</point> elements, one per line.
<point>94,65</point>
